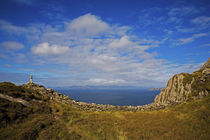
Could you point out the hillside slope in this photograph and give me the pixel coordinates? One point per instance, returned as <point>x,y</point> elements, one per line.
<point>50,119</point>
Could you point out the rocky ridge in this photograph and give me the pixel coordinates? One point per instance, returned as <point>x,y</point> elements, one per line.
<point>183,87</point>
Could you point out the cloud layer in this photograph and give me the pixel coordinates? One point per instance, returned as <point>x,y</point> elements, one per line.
<point>90,51</point>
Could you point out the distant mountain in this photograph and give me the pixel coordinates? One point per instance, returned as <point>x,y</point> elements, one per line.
<point>99,87</point>
<point>156,89</point>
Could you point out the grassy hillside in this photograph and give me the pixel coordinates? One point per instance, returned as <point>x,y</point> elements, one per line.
<point>52,120</point>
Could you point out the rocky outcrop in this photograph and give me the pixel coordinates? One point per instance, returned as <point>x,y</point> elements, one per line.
<point>206,67</point>
<point>183,87</point>
<point>17,100</point>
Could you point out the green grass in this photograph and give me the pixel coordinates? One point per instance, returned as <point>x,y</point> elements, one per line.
<point>185,121</point>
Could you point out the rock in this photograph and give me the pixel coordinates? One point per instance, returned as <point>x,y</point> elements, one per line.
<point>183,87</point>
<point>206,67</point>
<point>17,100</point>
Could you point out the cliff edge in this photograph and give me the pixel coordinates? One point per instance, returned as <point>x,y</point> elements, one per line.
<point>184,87</point>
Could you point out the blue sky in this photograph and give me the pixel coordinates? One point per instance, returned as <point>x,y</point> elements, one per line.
<point>106,42</point>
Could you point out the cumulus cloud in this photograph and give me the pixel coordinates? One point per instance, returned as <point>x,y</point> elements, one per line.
<point>12,45</point>
<point>121,43</point>
<point>88,25</point>
<point>47,49</point>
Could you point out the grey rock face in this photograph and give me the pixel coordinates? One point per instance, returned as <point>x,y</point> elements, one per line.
<point>183,87</point>
<point>175,91</point>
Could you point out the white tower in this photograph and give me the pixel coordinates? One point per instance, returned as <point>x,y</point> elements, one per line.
<point>31,79</point>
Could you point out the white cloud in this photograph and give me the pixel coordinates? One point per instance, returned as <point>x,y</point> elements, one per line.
<point>200,35</point>
<point>182,41</point>
<point>186,30</point>
<point>47,49</point>
<point>183,11</point>
<point>35,30</point>
<point>122,42</point>
<point>12,45</point>
<point>100,53</point>
<point>202,20</point>
<point>185,40</point>
<point>10,28</point>
<point>173,20</point>
<point>99,81</point>
<point>88,25</point>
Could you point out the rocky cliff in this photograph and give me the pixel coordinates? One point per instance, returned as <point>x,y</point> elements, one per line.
<point>183,87</point>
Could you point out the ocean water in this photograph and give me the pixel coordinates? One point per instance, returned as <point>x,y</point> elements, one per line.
<point>132,97</point>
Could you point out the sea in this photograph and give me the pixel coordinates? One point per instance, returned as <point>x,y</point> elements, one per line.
<point>133,97</point>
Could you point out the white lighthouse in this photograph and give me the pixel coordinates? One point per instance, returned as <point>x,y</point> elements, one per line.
<point>31,79</point>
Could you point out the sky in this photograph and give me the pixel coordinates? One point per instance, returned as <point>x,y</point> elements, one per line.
<point>102,42</point>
